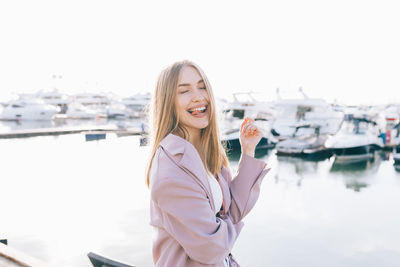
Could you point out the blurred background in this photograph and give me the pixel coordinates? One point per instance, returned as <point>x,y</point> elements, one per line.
<point>319,78</point>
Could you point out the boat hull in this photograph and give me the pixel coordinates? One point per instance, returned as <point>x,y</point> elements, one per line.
<point>234,144</point>
<point>311,154</point>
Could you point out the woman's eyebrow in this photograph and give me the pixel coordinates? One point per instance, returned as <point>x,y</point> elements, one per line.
<point>184,84</point>
<point>188,84</point>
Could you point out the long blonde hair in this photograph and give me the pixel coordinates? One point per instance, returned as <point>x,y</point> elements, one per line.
<point>164,120</point>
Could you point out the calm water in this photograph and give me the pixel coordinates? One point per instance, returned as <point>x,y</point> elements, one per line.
<point>62,197</point>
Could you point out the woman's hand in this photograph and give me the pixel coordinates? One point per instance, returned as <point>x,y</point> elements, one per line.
<point>250,136</point>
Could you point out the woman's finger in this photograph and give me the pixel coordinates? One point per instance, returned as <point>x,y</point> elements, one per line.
<point>245,121</point>
<point>254,130</point>
<point>246,127</point>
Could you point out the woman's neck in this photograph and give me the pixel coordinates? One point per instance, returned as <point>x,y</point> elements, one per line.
<point>194,139</point>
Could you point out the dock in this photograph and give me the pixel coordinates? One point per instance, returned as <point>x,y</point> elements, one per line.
<point>70,130</point>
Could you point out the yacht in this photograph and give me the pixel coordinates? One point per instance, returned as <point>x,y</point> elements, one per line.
<point>54,97</point>
<point>293,111</point>
<point>247,105</point>
<point>137,105</point>
<point>116,111</point>
<point>310,146</point>
<point>79,111</point>
<point>357,140</point>
<point>92,100</point>
<point>28,109</point>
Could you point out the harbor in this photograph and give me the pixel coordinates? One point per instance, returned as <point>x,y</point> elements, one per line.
<point>78,184</point>
<point>317,78</point>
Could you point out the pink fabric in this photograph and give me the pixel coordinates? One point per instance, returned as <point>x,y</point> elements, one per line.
<point>182,209</point>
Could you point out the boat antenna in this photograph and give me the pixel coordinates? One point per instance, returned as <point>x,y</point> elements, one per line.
<point>278,95</point>
<point>302,92</point>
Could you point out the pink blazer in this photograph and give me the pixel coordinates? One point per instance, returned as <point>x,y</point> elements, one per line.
<point>188,233</point>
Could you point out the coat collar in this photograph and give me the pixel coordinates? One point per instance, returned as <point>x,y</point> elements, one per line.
<point>186,155</point>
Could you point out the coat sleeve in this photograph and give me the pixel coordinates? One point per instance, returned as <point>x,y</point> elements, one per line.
<point>245,186</point>
<point>187,216</point>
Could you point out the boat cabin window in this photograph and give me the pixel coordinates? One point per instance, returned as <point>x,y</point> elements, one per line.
<point>301,112</point>
<point>16,106</point>
<point>238,113</point>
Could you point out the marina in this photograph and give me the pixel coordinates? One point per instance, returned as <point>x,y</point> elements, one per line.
<point>69,130</point>
<point>318,79</point>
<point>78,185</point>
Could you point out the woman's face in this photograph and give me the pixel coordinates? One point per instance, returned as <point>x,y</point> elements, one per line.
<point>192,100</point>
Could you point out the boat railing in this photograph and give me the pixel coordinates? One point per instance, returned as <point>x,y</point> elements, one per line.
<point>100,261</point>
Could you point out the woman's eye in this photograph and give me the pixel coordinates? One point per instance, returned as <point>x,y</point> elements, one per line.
<point>182,92</point>
<point>203,88</point>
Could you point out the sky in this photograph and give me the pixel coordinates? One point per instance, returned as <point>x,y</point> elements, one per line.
<point>343,50</point>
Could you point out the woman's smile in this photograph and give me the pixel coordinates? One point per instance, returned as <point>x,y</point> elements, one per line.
<point>199,112</point>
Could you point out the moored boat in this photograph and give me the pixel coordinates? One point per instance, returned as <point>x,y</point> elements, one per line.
<point>357,140</point>
<point>28,109</point>
<point>310,146</point>
<point>247,105</point>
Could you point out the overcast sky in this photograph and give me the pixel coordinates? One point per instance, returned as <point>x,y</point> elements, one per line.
<point>343,49</point>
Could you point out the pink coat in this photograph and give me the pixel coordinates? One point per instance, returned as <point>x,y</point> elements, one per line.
<point>188,233</point>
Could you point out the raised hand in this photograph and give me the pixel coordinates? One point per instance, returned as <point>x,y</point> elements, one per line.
<point>250,136</point>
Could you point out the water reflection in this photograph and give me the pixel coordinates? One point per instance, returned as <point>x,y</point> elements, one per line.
<point>353,168</point>
<point>295,170</point>
<point>18,125</point>
<point>356,176</point>
<point>355,184</point>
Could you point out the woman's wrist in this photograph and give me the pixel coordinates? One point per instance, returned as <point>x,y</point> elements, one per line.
<point>248,153</point>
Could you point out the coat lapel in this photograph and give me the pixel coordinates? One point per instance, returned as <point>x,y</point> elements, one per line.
<point>225,190</point>
<point>187,157</point>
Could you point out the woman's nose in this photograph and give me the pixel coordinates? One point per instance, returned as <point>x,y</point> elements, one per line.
<point>198,95</point>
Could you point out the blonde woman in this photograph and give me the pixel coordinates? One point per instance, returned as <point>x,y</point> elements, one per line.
<point>196,206</point>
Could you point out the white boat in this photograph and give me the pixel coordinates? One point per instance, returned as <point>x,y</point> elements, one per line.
<point>28,109</point>
<point>247,105</point>
<point>92,100</point>
<point>357,140</point>
<point>294,111</point>
<point>308,146</point>
<point>54,97</point>
<point>79,111</point>
<point>116,111</point>
<point>137,105</point>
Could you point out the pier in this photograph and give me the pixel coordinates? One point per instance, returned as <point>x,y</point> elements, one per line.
<point>70,130</point>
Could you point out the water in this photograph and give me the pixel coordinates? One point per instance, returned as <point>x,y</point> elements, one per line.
<point>62,197</point>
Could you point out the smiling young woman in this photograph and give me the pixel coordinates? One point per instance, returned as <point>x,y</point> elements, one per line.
<point>196,206</point>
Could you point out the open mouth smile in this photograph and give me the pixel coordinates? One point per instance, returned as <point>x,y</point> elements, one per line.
<point>198,110</point>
